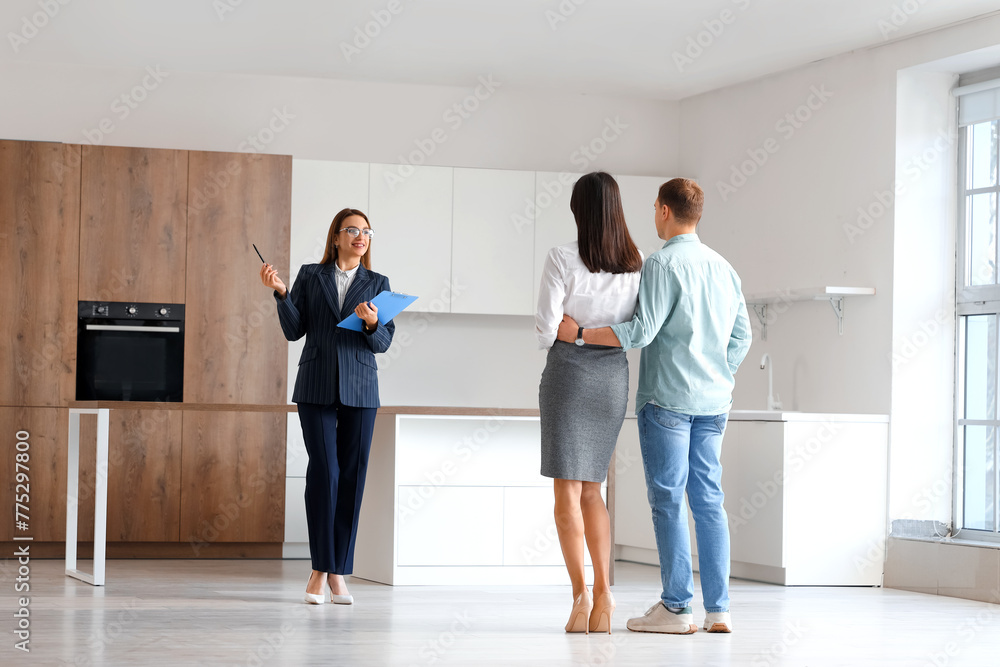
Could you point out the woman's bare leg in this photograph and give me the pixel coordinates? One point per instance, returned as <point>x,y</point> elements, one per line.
<point>338,585</point>
<point>597,527</point>
<point>315,584</point>
<point>569,524</point>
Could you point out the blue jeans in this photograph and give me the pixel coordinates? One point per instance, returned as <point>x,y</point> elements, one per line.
<point>681,453</point>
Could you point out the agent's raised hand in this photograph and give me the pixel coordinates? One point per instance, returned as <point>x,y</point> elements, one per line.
<point>269,276</point>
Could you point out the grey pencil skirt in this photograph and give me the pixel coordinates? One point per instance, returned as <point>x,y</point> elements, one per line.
<point>582,400</point>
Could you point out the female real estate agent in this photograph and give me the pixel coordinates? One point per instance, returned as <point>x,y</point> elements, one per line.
<point>583,393</point>
<point>336,390</point>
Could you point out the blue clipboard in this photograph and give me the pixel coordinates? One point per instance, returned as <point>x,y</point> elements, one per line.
<point>389,305</point>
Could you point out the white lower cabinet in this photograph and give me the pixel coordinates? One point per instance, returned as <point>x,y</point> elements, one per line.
<point>457,499</point>
<point>529,530</point>
<point>805,494</point>
<point>428,518</point>
<point>296,543</point>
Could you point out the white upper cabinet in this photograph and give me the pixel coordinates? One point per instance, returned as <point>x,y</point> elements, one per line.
<point>554,223</point>
<point>463,240</point>
<point>410,211</point>
<point>320,189</point>
<point>638,196</point>
<point>492,242</point>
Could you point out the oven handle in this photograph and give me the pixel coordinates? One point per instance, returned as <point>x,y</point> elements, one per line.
<point>125,327</point>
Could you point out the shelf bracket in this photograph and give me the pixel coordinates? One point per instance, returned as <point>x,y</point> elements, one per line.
<point>761,310</point>
<point>837,304</point>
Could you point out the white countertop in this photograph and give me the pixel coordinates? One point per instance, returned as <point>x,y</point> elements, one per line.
<point>790,416</point>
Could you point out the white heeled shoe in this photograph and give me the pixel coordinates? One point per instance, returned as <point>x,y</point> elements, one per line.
<point>340,599</point>
<point>315,599</point>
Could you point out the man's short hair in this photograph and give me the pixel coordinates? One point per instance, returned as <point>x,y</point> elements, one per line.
<point>684,197</point>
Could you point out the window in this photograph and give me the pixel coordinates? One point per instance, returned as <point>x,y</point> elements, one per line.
<point>978,309</point>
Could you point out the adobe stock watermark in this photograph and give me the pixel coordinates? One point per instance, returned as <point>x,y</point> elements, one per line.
<point>786,127</point>
<point>923,500</point>
<point>255,143</point>
<point>562,12</point>
<point>223,7</point>
<point>32,24</point>
<point>777,653</point>
<point>462,453</point>
<point>103,638</point>
<point>712,29</point>
<point>907,349</point>
<point>123,105</point>
<point>900,15</point>
<point>966,632</point>
<point>454,117</point>
<point>581,158</point>
<point>227,513</point>
<point>912,170</point>
<point>364,34</point>
<point>798,458</point>
<point>404,337</point>
<point>434,650</point>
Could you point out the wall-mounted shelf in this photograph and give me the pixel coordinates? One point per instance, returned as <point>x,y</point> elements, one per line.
<point>835,295</point>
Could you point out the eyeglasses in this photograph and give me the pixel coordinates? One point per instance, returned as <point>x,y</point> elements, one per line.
<point>354,232</point>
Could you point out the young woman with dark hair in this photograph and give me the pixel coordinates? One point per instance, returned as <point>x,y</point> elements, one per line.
<point>336,390</point>
<point>584,388</point>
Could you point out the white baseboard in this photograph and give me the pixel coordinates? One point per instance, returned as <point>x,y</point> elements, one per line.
<point>295,550</point>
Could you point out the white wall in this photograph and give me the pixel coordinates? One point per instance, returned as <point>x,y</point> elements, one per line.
<point>361,122</point>
<point>794,223</point>
<point>923,326</point>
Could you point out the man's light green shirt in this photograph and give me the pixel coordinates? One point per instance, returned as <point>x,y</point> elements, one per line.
<point>691,323</point>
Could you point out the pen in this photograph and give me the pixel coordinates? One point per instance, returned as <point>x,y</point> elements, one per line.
<point>258,253</point>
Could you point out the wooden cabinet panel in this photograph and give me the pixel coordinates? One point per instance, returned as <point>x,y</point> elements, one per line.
<point>492,242</point>
<point>39,264</point>
<point>133,224</point>
<point>234,351</point>
<point>144,476</point>
<point>233,471</point>
<point>47,430</point>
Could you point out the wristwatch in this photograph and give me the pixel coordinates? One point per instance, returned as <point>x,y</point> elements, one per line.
<point>579,336</point>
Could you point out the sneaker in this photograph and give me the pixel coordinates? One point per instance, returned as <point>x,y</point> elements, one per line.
<point>718,622</point>
<point>661,619</point>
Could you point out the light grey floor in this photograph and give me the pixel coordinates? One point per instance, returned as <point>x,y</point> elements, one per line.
<point>249,613</point>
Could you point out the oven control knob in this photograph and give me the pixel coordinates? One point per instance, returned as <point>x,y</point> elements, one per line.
<point>131,310</point>
<point>102,310</point>
<point>164,311</point>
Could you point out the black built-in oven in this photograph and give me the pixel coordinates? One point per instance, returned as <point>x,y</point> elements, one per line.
<point>130,351</point>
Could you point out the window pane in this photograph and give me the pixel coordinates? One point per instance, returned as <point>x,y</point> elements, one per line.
<point>982,212</point>
<point>983,152</point>
<point>980,366</point>
<point>980,473</point>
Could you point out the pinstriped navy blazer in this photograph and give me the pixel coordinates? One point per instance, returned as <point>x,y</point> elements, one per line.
<point>310,309</point>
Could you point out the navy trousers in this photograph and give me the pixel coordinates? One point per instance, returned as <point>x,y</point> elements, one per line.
<point>338,439</point>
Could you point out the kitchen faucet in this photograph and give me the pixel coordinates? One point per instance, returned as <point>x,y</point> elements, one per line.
<point>773,402</point>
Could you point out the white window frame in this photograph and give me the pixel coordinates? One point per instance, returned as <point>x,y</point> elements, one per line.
<point>977,300</point>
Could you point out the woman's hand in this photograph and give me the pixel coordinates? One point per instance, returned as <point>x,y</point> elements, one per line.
<point>568,329</point>
<point>270,278</point>
<point>368,313</point>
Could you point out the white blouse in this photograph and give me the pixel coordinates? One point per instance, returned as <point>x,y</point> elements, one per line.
<point>592,299</point>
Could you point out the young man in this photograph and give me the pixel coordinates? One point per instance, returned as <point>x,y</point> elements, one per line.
<point>691,321</point>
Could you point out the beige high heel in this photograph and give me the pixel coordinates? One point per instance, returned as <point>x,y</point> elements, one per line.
<point>600,616</point>
<point>579,617</point>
